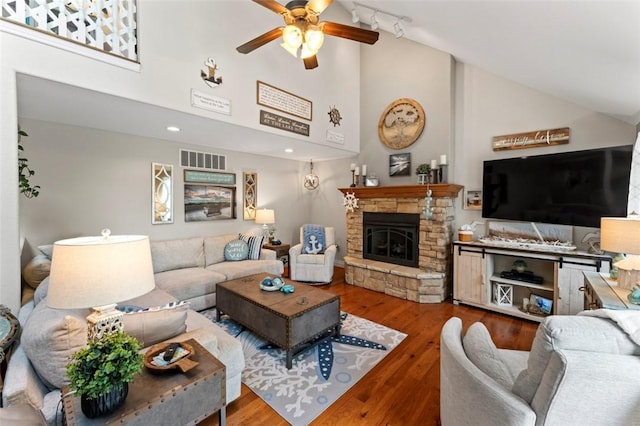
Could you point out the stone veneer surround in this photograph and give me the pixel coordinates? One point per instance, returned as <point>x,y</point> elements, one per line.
<point>431,281</point>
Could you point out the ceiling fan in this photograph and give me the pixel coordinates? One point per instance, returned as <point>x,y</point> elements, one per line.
<point>303,32</point>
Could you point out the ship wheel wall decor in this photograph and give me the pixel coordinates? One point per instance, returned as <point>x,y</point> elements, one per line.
<point>401,123</point>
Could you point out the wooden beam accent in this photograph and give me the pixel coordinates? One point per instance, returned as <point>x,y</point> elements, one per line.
<point>404,191</point>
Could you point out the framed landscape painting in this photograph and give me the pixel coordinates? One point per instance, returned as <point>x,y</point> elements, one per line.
<point>209,202</point>
<point>400,164</point>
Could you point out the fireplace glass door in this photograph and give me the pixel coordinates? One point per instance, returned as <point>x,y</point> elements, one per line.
<point>391,237</point>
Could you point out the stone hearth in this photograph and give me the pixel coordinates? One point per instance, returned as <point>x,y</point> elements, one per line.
<point>431,281</point>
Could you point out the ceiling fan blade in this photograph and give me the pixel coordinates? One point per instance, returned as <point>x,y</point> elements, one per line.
<point>311,62</point>
<point>351,33</point>
<point>318,6</point>
<point>259,41</point>
<point>273,5</point>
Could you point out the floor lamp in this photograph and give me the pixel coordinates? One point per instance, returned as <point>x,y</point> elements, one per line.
<point>98,272</point>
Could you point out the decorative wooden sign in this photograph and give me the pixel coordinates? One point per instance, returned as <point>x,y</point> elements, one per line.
<point>283,123</point>
<point>220,178</point>
<point>531,139</point>
<point>278,99</point>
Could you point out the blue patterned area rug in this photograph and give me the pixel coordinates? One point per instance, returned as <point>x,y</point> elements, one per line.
<point>320,375</point>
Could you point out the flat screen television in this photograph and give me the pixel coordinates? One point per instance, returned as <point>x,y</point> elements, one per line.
<point>569,188</point>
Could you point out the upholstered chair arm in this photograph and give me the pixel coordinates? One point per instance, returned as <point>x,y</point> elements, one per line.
<point>330,254</point>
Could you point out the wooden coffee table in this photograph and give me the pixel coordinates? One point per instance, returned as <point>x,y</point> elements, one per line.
<point>307,315</point>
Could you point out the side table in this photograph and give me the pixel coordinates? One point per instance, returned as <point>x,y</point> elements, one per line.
<point>170,399</point>
<point>602,292</point>
<point>282,250</point>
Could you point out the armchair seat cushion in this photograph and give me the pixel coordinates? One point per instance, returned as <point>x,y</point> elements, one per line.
<point>311,259</point>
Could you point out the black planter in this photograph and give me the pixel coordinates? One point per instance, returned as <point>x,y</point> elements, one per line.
<point>105,403</point>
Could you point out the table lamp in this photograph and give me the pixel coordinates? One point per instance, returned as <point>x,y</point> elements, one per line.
<point>265,217</point>
<point>98,272</point>
<point>622,235</point>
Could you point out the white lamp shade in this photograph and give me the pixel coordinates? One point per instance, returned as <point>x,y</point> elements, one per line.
<point>265,216</point>
<point>620,235</point>
<point>97,271</point>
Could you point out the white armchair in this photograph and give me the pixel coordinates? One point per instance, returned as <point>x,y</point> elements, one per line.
<point>309,267</point>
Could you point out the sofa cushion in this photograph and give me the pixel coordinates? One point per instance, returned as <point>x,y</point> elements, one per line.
<point>579,333</point>
<point>233,270</point>
<point>255,244</point>
<point>41,292</point>
<point>214,248</point>
<point>481,350</point>
<point>186,283</point>
<point>153,325</point>
<point>177,254</point>
<point>50,336</point>
<point>236,250</point>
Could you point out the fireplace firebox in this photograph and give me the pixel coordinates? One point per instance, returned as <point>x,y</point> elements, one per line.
<point>391,237</point>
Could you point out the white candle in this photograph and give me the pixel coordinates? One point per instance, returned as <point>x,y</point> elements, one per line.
<point>434,164</point>
<point>443,159</point>
<point>357,171</point>
<point>352,167</point>
<point>364,170</point>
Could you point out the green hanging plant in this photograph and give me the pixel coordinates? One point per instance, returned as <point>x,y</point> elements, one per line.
<point>25,172</point>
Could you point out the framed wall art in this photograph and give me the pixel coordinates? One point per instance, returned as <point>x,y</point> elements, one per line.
<point>161,193</point>
<point>400,164</point>
<point>204,202</point>
<point>250,199</point>
<point>473,199</point>
<point>401,123</point>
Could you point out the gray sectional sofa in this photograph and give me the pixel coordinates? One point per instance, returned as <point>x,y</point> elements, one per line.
<point>185,269</point>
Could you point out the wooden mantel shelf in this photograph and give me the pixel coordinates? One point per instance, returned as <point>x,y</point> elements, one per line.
<point>404,191</point>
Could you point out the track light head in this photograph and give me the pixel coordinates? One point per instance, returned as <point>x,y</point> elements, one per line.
<point>398,30</point>
<point>354,16</point>
<point>374,21</point>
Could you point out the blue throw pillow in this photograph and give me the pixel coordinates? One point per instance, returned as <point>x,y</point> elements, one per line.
<point>313,239</point>
<point>236,250</point>
<point>255,245</point>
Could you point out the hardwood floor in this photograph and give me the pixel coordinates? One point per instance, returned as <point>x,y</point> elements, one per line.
<point>404,388</point>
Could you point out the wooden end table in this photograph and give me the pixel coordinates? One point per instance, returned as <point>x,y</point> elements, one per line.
<point>153,395</point>
<point>282,250</point>
<point>602,292</point>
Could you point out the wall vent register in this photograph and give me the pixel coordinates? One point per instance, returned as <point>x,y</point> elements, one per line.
<point>202,160</point>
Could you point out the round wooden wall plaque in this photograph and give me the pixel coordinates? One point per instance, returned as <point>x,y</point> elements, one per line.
<point>401,123</point>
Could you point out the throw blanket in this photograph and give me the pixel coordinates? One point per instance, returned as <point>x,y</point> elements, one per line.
<point>628,320</point>
<point>313,239</point>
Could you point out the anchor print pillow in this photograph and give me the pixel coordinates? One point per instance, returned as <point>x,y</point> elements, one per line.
<point>313,239</point>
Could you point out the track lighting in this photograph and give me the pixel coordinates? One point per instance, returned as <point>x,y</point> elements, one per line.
<point>397,29</point>
<point>374,21</point>
<point>354,16</point>
<point>375,24</point>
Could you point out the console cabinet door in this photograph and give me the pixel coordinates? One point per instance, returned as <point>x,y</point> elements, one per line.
<point>570,286</point>
<point>468,278</point>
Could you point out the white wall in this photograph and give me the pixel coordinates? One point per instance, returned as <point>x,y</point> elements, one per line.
<point>92,179</point>
<point>488,106</point>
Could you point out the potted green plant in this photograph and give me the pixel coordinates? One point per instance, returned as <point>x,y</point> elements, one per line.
<point>101,371</point>
<point>423,171</point>
<point>24,171</point>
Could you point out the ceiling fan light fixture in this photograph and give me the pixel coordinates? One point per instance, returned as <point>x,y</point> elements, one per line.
<point>313,38</point>
<point>292,36</point>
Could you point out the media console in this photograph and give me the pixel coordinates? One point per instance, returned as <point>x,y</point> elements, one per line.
<point>479,279</point>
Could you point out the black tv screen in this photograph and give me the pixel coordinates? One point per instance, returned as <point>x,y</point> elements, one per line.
<point>570,188</point>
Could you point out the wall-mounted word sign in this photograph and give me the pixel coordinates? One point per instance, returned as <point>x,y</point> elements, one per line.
<point>283,123</point>
<point>531,139</point>
<point>281,100</point>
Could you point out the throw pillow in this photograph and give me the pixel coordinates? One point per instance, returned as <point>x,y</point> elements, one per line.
<point>483,353</point>
<point>236,250</point>
<point>153,325</point>
<point>36,270</point>
<point>579,333</point>
<point>49,337</point>
<point>41,292</point>
<point>255,244</point>
<point>313,239</point>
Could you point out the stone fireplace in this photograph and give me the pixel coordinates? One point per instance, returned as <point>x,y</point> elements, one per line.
<point>429,281</point>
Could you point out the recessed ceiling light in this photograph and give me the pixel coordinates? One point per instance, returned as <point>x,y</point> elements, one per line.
<point>173,128</point>
<point>288,150</point>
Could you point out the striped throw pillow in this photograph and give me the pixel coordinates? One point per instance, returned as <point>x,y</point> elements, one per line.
<point>255,244</point>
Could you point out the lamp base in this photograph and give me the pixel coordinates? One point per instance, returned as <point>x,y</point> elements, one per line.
<point>627,279</point>
<point>104,320</point>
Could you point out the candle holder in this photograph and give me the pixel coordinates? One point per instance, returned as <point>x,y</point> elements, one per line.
<point>353,179</point>
<point>442,171</point>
